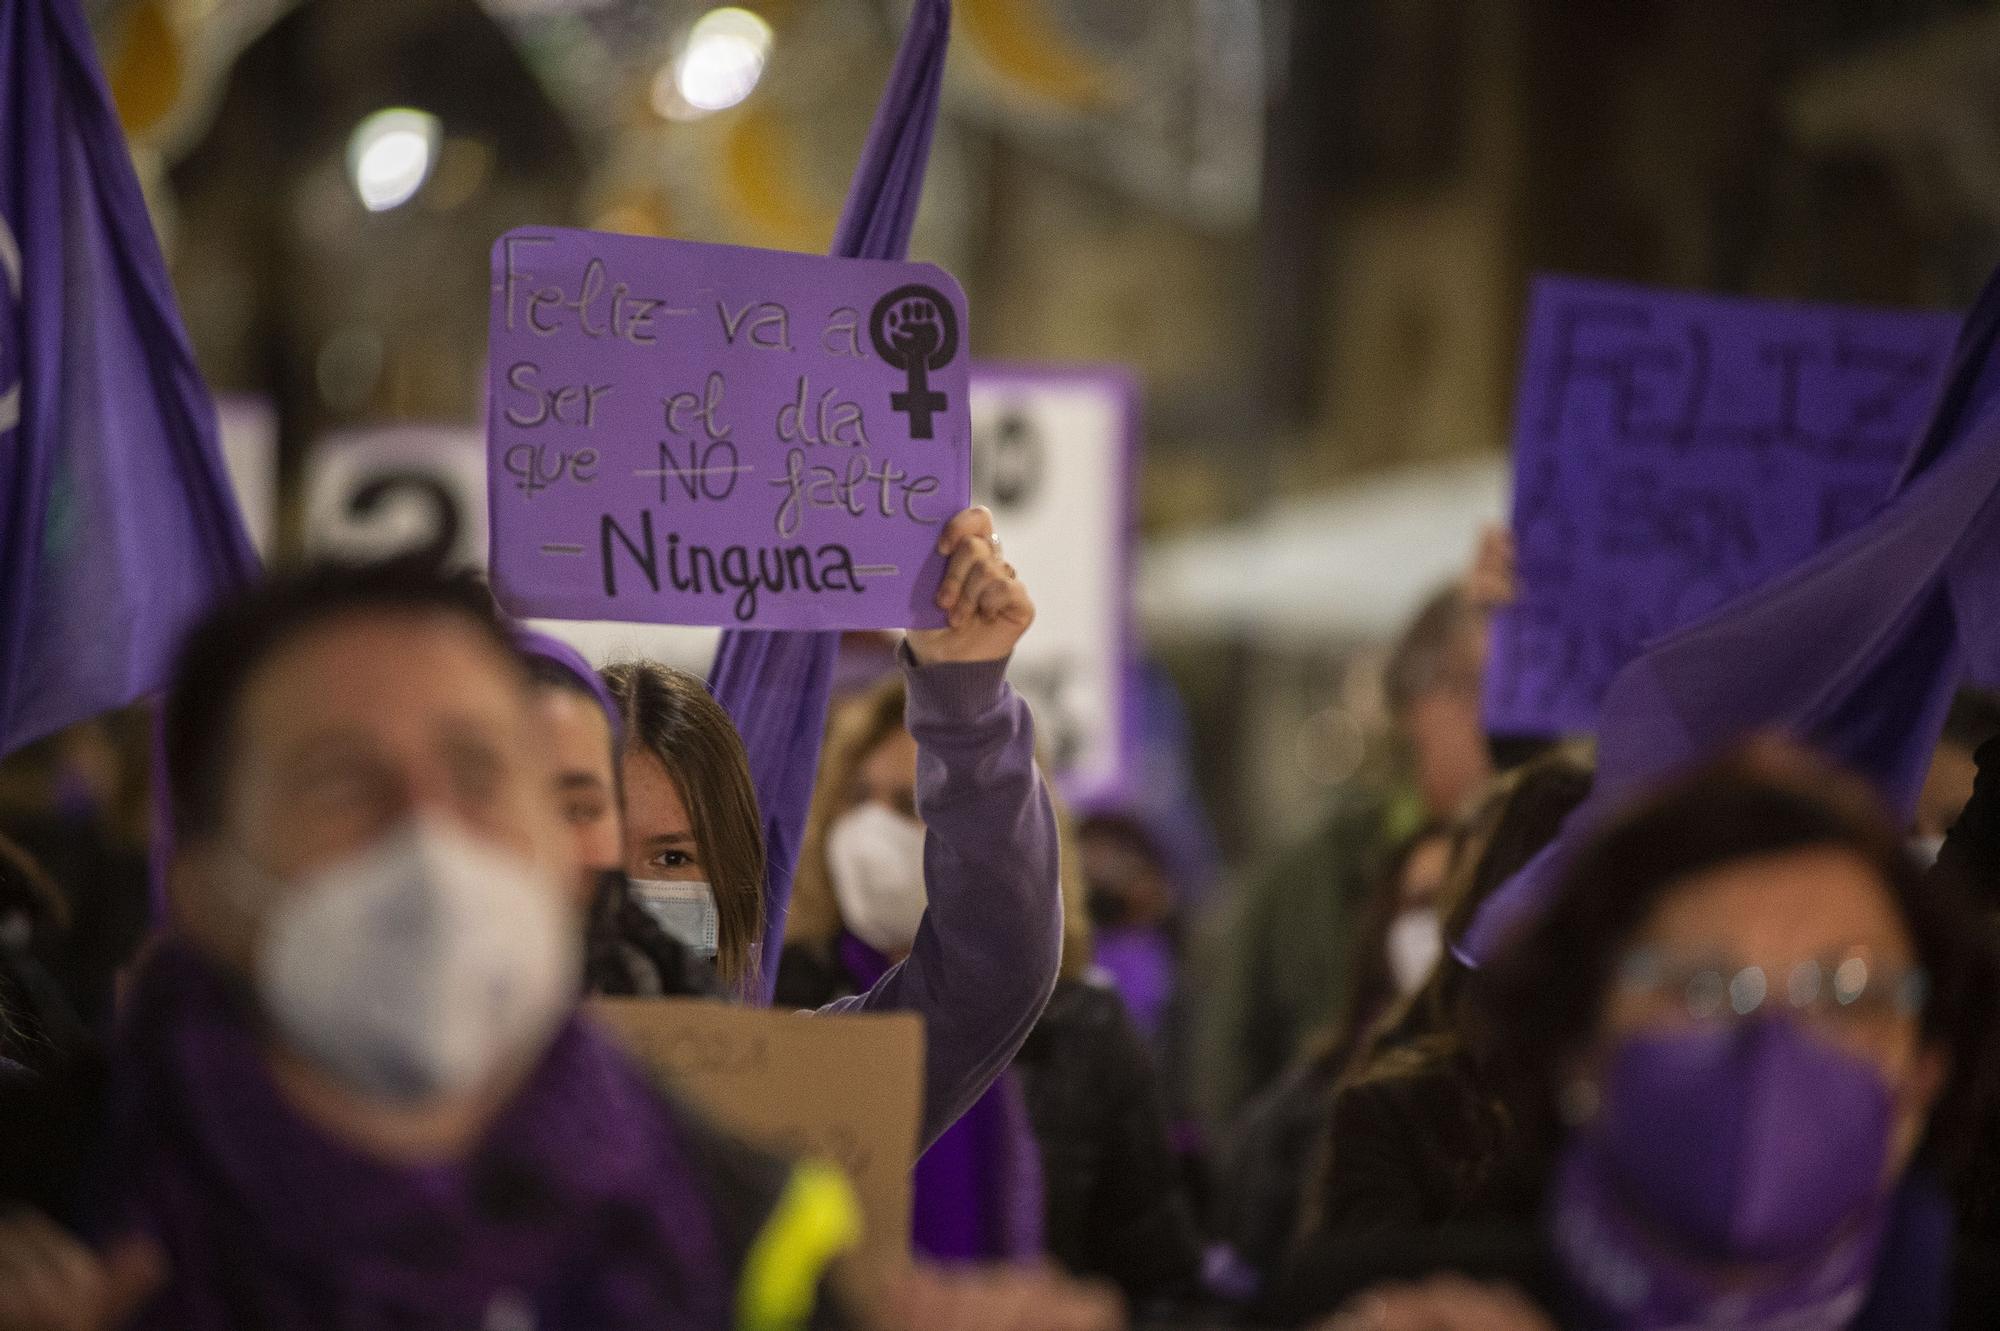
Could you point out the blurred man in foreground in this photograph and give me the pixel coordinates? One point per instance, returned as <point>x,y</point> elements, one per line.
<point>352,1088</point>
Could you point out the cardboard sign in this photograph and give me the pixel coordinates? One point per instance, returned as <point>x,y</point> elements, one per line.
<point>848,1089</point>
<point>706,434</point>
<point>1053,457</point>
<point>1672,451</point>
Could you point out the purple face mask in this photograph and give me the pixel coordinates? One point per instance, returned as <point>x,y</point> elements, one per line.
<point>1754,1142</point>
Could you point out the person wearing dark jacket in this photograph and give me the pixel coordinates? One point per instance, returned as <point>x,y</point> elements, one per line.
<point>1280,960</point>
<point>39,1019</point>
<point>1971,850</point>
<point>1114,1206</point>
<point>1266,1166</point>
<point>93,920</point>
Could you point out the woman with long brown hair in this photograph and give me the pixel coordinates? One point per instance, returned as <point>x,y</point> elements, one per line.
<point>1413,1131</point>
<point>684,769</point>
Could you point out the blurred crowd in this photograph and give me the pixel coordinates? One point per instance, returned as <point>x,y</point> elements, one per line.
<point>290,979</point>
<point>315,965</point>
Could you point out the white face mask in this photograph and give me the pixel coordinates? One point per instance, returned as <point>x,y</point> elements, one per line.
<point>1415,946</point>
<point>420,966</point>
<point>1924,849</point>
<point>686,911</point>
<point>876,858</point>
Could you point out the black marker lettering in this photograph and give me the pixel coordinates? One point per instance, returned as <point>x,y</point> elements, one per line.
<point>641,551</point>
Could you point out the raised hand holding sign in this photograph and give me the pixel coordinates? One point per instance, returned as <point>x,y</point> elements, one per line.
<point>987,605</point>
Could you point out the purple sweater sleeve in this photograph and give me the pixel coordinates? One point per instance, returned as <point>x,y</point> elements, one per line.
<point>775,687</point>
<point>986,953</point>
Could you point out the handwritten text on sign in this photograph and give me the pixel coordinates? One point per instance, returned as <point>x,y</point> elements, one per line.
<point>1673,450</point>
<point>706,434</point>
<point>847,1089</point>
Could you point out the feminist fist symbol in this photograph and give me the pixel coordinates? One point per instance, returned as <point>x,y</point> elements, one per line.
<point>915,330</point>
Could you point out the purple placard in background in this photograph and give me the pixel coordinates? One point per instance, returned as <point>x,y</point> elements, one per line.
<point>682,433</point>
<point>1673,450</point>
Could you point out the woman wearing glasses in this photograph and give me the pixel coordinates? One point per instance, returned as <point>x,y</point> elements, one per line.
<point>1751,1040</point>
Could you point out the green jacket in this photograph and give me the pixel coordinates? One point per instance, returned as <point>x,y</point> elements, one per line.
<point>1274,970</point>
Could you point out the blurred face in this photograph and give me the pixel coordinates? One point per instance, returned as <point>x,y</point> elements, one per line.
<point>1448,743</point>
<point>346,733</point>
<point>888,775</point>
<point>579,741</point>
<point>1445,730</point>
<point>1788,914</point>
<point>659,835</point>
<point>1126,885</point>
<point>1423,875</point>
<point>875,849</point>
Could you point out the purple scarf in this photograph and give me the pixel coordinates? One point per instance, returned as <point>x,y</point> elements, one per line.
<point>977,1192</point>
<point>1140,962</point>
<point>579,1209</point>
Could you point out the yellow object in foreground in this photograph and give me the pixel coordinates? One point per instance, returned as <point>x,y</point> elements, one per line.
<point>815,1221</point>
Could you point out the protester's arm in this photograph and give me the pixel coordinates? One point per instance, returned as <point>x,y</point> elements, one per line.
<point>775,687</point>
<point>985,957</point>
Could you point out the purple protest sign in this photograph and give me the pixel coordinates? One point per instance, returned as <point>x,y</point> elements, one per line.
<point>707,434</point>
<point>1672,451</point>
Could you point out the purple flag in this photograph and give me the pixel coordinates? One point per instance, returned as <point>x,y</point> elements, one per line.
<point>776,685</point>
<point>117,525</point>
<point>1855,652</point>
